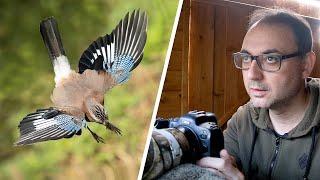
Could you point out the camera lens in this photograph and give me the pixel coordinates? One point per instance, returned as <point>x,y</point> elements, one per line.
<point>166,151</point>
<point>182,140</point>
<point>154,162</point>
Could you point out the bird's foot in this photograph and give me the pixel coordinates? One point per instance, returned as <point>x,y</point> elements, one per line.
<point>95,136</point>
<point>113,128</point>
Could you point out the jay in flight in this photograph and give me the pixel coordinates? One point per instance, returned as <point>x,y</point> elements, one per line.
<point>78,97</point>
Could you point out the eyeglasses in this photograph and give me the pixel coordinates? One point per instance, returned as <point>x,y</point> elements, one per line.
<point>266,62</point>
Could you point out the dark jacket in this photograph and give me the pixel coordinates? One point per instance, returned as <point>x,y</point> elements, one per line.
<point>251,139</point>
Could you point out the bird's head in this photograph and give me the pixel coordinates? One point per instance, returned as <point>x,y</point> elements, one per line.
<point>97,113</point>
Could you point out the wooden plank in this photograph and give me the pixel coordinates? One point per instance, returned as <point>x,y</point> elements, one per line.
<point>175,63</point>
<point>180,22</point>
<point>171,95</point>
<point>222,121</point>
<point>173,81</point>
<point>178,41</point>
<point>169,104</point>
<point>201,56</point>
<point>237,18</point>
<point>220,59</point>
<point>185,57</point>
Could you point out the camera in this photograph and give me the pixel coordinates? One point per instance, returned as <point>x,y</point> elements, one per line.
<point>182,140</point>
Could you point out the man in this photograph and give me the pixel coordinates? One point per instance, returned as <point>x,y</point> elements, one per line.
<point>276,134</point>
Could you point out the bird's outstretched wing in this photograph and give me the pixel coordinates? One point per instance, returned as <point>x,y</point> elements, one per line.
<point>121,51</point>
<point>48,124</point>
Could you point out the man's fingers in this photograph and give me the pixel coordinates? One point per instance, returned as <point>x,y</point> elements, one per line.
<point>224,153</point>
<point>223,165</point>
<point>211,162</point>
<point>226,156</point>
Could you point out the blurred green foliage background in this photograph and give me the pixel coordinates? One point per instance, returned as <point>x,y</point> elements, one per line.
<point>26,83</point>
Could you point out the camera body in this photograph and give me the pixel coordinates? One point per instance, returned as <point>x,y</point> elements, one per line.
<point>182,140</point>
<point>198,127</point>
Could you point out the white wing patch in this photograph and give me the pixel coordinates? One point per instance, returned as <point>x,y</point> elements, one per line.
<point>107,53</point>
<point>112,52</point>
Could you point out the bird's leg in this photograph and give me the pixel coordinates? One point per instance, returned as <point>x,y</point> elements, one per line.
<point>112,127</point>
<point>95,136</point>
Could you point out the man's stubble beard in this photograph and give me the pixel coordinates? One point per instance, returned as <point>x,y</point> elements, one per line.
<point>281,99</point>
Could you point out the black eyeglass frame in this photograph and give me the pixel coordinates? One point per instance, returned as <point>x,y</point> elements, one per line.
<point>282,58</point>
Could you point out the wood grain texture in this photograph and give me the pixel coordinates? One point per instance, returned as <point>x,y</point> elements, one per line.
<point>220,60</point>
<point>173,81</point>
<point>237,18</point>
<point>178,41</point>
<point>175,61</point>
<point>185,57</point>
<point>170,104</point>
<point>201,56</point>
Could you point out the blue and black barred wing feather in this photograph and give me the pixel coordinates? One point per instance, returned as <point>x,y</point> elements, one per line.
<point>121,51</point>
<point>48,124</point>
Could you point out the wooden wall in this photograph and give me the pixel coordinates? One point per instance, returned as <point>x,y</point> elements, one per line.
<point>174,98</point>
<point>201,74</point>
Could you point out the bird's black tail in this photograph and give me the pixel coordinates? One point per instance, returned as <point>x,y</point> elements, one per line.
<point>52,40</point>
<point>51,37</point>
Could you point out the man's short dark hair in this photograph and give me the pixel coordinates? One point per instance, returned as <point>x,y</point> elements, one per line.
<point>299,26</point>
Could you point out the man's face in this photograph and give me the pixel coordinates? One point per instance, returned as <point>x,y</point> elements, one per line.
<point>267,89</point>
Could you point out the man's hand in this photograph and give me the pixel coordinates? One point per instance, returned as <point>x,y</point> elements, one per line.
<point>225,166</point>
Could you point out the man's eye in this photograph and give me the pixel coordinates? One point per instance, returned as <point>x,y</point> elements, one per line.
<point>272,59</point>
<point>246,59</point>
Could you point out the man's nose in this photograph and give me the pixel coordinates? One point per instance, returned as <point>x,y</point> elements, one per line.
<point>254,71</point>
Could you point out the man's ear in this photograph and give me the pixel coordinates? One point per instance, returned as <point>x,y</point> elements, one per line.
<point>309,61</point>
